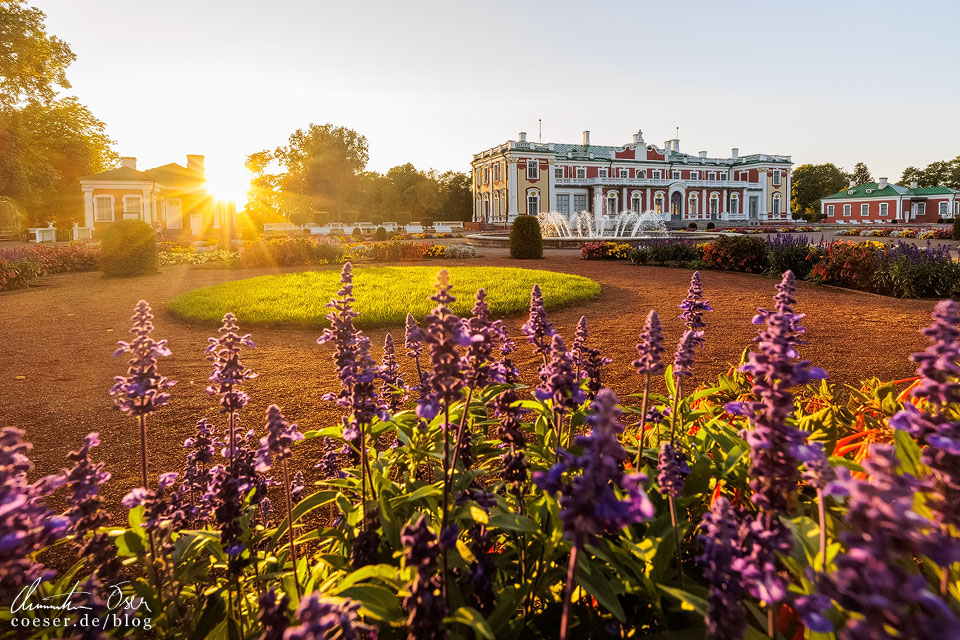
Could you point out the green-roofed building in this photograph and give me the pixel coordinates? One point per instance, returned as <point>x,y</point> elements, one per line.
<point>883,202</point>
<point>603,181</point>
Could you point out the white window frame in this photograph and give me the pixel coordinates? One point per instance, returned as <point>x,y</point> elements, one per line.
<point>831,210</point>
<point>623,173</point>
<point>138,212</point>
<point>714,204</point>
<point>776,177</point>
<point>847,210</point>
<point>776,204</point>
<point>533,195</point>
<point>676,174</point>
<point>693,204</point>
<point>566,198</point>
<point>581,173</point>
<point>639,173</point>
<point>721,175</point>
<point>615,200</point>
<point>734,203</point>
<point>884,209</point>
<point>603,172</point>
<point>943,208</point>
<point>712,175</point>
<point>658,201</point>
<point>558,172</point>
<point>533,169</point>
<point>496,172</point>
<point>921,208</point>
<point>656,174</point>
<point>96,209</point>
<point>864,209</point>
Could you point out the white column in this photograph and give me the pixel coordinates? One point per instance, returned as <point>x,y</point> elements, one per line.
<point>704,205</point>
<point>145,207</point>
<point>789,192</point>
<point>552,168</point>
<point>762,175</point>
<point>88,207</point>
<point>648,203</point>
<point>512,191</point>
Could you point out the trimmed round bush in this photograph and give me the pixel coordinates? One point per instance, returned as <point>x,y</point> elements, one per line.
<point>426,221</point>
<point>128,248</point>
<point>381,234</point>
<point>357,232</point>
<point>956,228</point>
<point>525,239</point>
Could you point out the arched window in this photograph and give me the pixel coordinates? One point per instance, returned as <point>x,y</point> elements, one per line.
<point>641,174</point>
<point>612,208</point>
<point>496,207</point>
<point>658,203</point>
<point>478,211</point>
<point>714,204</point>
<point>734,203</point>
<point>693,206</point>
<point>776,204</point>
<point>533,202</point>
<point>503,205</point>
<point>635,202</point>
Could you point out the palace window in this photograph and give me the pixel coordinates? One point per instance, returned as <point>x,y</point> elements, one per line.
<point>641,174</point>
<point>776,177</point>
<point>676,174</point>
<point>533,203</point>
<point>579,202</point>
<point>558,172</point>
<point>486,175</point>
<point>864,210</point>
<point>735,203</point>
<point>944,208</point>
<point>602,173</point>
<point>658,203</point>
<point>884,209</point>
<point>533,169</point>
<point>694,175</point>
<point>581,172</point>
<point>693,207</point>
<point>635,203</point>
<point>563,203</point>
<point>624,173</point>
<point>103,209</point>
<point>721,175</point>
<point>831,210</point>
<point>921,208</point>
<point>612,204</point>
<point>496,172</point>
<point>776,204</point>
<point>712,175</point>
<point>656,174</point>
<point>131,206</point>
<point>846,210</point>
<point>714,204</point>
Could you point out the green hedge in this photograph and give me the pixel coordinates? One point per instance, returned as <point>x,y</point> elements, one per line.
<point>525,239</point>
<point>128,248</point>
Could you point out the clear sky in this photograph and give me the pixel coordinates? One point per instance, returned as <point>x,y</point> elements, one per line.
<point>433,82</point>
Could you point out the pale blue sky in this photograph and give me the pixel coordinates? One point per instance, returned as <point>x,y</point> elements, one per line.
<point>434,82</point>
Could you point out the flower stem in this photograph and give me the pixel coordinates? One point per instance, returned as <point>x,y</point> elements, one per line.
<point>143,450</point>
<point>643,420</point>
<point>823,530</point>
<point>673,416</point>
<point>293,548</point>
<point>463,422</point>
<point>565,617</point>
<point>446,492</point>
<point>676,535</point>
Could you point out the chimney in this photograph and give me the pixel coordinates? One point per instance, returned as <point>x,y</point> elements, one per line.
<point>636,138</point>
<point>735,153</point>
<point>523,136</point>
<point>129,162</point>
<point>853,183</point>
<point>703,155</point>
<point>195,163</point>
<point>913,184</point>
<point>882,184</point>
<point>586,138</point>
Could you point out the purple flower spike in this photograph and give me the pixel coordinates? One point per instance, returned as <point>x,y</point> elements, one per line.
<point>273,615</point>
<point>559,382</point>
<point>672,464</point>
<point>325,619</point>
<point>589,505</point>
<point>228,372</point>
<point>393,388</point>
<point>86,512</point>
<point>275,446</point>
<point>650,348</point>
<point>726,616</point>
<point>425,603</point>
<point>588,360</point>
<point>143,390</point>
<point>538,329</point>
<point>692,309</point>
<point>683,358</point>
<point>442,332</point>
<point>480,365</point>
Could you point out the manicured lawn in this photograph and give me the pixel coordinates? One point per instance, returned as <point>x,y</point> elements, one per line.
<point>384,294</point>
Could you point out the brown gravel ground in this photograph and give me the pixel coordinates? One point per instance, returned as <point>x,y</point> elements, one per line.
<point>56,341</point>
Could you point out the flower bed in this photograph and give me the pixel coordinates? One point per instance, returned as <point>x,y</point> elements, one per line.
<point>19,265</point>
<point>465,501</point>
<point>605,251</point>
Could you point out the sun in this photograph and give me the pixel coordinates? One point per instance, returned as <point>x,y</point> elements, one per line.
<point>228,183</point>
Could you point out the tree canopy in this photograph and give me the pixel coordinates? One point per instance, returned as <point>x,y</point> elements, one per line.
<point>46,142</point>
<point>810,183</point>
<point>861,174</point>
<point>936,174</point>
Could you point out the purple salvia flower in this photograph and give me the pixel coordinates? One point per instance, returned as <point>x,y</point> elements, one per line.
<point>143,390</point>
<point>672,465</point>
<point>275,446</point>
<point>650,348</point>
<point>413,341</point>
<point>393,388</point>
<point>589,505</point>
<point>874,578</point>
<point>83,480</point>
<point>297,487</point>
<point>329,619</point>
<point>819,474</point>
<point>229,373</point>
<point>196,474</point>
<point>479,365</point>
<point>559,380</point>
<point>776,446</point>
<point>721,557</point>
<point>442,332</point>
<point>510,432</point>
<point>483,570</point>
<point>26,525</point>
<point>365,549</point>
<point>692,309</point>
<point>329,461</point>
<point>425,603</point>
<point>588,360</point>
<point>683,358</point>
<point>272,615</point>
<point>939,365</point>
<point>538,329</point>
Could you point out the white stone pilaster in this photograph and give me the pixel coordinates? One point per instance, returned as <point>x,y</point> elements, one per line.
<point>88,207</point>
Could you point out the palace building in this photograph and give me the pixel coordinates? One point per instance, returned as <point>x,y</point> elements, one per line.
<point>520,176</point>
<point>879,202</point>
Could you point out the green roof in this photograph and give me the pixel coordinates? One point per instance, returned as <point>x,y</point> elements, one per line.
<point>604,152</point>
<point>872,190</point>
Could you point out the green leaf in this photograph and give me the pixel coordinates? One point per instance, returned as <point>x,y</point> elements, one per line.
<point>513,522</point>
<point>473,619</point>
<point>384,572</point>
<point>130,544</point>
<point>605,590</point>
<point>305,506</point>
<point>687,600</point>
<point>424,492</point>
<point>379,602</point>
<point>908,451</point>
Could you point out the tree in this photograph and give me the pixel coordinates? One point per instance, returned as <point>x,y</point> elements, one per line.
<point>456,202</point>
<point>32,63</point>
<point>810,183</point>
<point>323,166</point>
<point>861,174</point>
<point>936,174</point>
